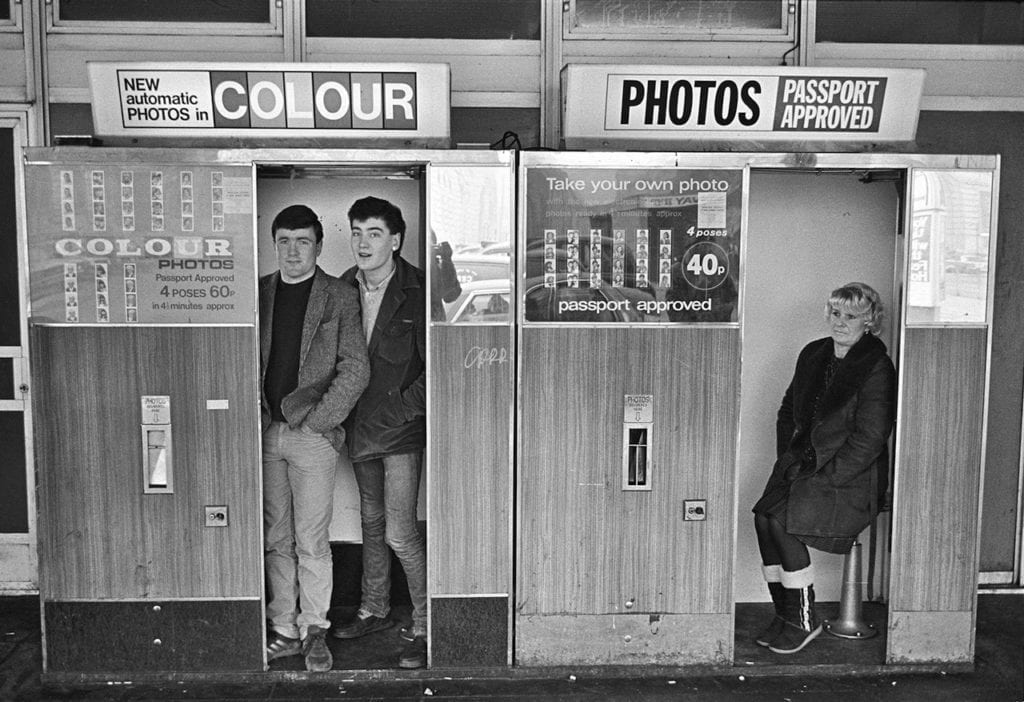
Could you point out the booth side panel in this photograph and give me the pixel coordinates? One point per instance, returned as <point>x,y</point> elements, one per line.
<point>589,547</point>
<point>936,510</point>
<point>470,554</point>
<point>101,536</point>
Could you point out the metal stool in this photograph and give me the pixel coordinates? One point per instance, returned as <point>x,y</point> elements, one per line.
<point>851,624</point>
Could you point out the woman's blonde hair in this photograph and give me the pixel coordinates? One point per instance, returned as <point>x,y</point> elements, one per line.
<point>861,298</point>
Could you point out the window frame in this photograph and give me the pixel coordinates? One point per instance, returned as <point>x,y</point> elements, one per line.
<point>787,34</point>
<point>275,27</point>
<point>14,23</point>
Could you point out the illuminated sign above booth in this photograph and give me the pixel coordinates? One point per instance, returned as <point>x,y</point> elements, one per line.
<point>408,102</point>
<point>680,103</point>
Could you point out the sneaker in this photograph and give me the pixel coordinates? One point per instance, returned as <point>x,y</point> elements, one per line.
<point>406,633</point>
<point>314,648</point>
<point>282,646</point>
<point>360,625</point>
<point>414,654</point>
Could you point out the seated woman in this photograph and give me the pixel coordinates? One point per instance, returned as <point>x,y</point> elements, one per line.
<point>832,437</point>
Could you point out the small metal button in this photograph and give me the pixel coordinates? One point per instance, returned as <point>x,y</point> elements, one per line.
<point>157,642</point>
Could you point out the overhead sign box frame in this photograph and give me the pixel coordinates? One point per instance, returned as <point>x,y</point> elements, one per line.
<point>616,106</point>
<point>367,103</point>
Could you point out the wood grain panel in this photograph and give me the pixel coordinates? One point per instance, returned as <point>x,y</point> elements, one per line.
<point>100,536</point>
<point>586,546</point>
<point>938,474</point>
<point>471,397</point>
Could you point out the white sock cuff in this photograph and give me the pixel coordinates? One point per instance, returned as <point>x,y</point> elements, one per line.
<point>797,579</point>
<point>772,573</point>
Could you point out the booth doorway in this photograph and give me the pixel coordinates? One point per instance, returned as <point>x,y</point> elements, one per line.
<point>808,233</point>
<point>330,191</point>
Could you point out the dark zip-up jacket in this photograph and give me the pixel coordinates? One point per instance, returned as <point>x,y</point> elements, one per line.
<point>390,417</point>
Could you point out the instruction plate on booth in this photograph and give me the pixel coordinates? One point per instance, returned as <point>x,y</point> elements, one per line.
<point>638,409</point>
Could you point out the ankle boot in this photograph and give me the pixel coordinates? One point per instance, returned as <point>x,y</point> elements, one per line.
<point>801,625</point>
<point>773,576</point>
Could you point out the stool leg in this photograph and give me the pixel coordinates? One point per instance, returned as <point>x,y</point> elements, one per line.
<point>850,623</point>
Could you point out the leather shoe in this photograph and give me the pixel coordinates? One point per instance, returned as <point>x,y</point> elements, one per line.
<point>361,625</point>
<point>414,654</point>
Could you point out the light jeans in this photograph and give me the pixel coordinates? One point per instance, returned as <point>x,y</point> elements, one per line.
<point>389,488</point>
<point>298,497</point>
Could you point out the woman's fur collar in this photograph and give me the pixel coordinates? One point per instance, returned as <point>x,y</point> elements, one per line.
<point>853,370</point>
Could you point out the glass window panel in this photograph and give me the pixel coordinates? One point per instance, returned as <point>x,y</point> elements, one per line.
<point>70,119</point>
<point>6,378</point>
<point>162,11</point>
<point>416,19</point>
<point>921,22</point>
<point>5,9</point>
<point>681,16</point>
<point>10,305</point>
<point>950,250</point>
<point>489,125</point>
<point>13,498</point>
<point>470,231</point>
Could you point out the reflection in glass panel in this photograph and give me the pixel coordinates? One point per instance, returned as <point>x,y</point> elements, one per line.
<point>949,246</point>
<point>470,215</point>
<point>683,16</point>
<point>921,22</point>
<point>416,19</point>
<point>517,127</point>
<point>161,11</point>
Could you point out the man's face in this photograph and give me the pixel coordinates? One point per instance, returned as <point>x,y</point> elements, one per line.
<point>373,245</point>
<point>297,250</point>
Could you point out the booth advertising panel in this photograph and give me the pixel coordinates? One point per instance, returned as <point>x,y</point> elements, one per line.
<point>633,245</point>
<point>141,244</point>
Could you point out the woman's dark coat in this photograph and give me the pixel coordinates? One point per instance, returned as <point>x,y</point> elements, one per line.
<point>837,496</point>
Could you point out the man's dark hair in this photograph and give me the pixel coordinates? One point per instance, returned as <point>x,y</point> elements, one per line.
<point>367,207</point>
<point>297,217</point>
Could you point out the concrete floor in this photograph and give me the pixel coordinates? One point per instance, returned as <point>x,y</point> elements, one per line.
<point>829,669</point>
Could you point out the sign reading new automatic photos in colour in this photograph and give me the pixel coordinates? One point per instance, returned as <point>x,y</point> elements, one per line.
<point>289,100</point>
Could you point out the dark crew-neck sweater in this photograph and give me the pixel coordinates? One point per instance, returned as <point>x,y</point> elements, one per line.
<point>282,375</point>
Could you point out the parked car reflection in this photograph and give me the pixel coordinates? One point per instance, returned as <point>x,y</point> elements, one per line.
<point>481,302</point>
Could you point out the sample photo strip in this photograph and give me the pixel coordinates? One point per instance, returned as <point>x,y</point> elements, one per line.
<point>187,221</point>
<point>67,200</point>
<point>549,258</point>
<point>595,258</point>
<point>217,201</point>
<point>156,200</point>
<point>99,207</point>
<point>131,299</point>
<point>70,292</point>
<point>127,201</point>
<point>572,258</point>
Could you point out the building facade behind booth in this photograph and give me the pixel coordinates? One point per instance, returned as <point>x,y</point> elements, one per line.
<point>596,437</point>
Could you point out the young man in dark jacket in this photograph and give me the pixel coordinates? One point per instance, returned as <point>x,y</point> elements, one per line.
<point>387,429</point>
<point>313,367</point>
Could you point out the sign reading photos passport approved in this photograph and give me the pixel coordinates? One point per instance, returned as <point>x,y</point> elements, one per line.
<point>743,103</point>
<point>262,99</point>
